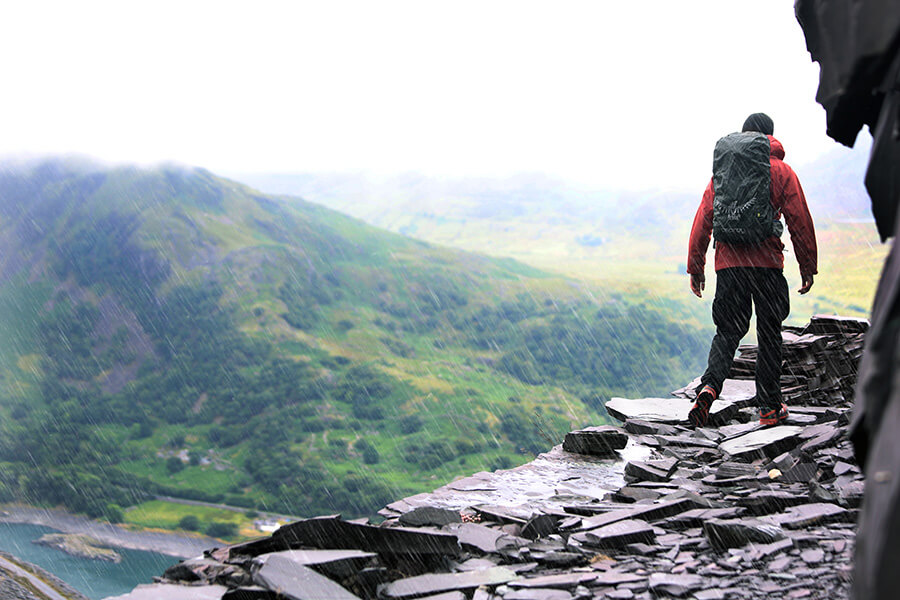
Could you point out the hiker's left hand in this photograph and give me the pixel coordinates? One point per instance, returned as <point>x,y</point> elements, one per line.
<point>807,283</point>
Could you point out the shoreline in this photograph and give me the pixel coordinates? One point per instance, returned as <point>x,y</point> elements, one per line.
<point>171,544</point>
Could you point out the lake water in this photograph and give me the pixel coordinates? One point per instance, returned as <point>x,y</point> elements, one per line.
<point>93,578</point>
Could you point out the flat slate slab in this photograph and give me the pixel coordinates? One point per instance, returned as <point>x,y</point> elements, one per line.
<point>171,591</point>
<point>476,536</point>
<point>674,584</point>
<point>335,533</point>
<point>741,392</point>
<point>804,515</point>
<point>250,592</point>
<point>617,535</point>
<point>563,580</point>
<point>429,515</point>
<point>768,442</point>
<point>596,441</point>
<point>734,533</point>
<point>294,581</point>
<point>333,563</point>
<point>645,512</point>
<point>671,411</point>
<point>423,585</point>
<point>537,594</point>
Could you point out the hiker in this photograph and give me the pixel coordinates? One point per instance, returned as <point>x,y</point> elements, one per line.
<point>749,178</point>
<point>857,46</point>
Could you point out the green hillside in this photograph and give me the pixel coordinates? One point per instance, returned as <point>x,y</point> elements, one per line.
<point>170,332</point>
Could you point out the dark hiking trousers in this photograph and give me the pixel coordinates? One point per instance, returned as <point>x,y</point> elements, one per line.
<point>738,290</point>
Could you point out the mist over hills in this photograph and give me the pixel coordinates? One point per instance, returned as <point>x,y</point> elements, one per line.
<point>168,331</point>
<point>633,237</point>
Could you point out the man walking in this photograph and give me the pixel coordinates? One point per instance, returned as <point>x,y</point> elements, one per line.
<point>741,208</point>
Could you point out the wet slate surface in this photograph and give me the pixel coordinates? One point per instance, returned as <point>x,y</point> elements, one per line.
<point>732,511</point>
<point>664,410</point>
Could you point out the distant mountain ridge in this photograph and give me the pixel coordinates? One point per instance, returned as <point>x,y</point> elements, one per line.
<point>172,332</point>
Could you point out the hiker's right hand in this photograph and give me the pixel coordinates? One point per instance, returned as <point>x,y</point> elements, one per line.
<point>698,282</point>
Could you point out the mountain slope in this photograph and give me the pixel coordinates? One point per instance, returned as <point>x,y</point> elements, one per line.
<point>169,331</point>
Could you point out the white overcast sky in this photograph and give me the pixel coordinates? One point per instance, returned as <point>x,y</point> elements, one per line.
<point>620,94</point>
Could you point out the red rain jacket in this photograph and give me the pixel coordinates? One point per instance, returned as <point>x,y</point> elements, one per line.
<point>788,200</point>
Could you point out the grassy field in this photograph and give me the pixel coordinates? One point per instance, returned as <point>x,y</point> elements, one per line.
<point>161,514</point>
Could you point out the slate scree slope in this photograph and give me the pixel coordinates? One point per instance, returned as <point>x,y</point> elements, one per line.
<point>649,509</point>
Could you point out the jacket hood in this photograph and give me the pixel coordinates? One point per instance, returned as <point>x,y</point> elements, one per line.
<point>775,148</point>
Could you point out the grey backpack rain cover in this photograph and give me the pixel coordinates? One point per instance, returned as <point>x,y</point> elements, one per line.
<point>742,181</point>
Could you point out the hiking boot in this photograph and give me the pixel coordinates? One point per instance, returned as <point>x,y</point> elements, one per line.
<point>773,416</point>
<point>699,414</point>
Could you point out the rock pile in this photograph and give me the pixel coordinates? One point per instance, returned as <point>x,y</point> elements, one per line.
<point>650,509</point>
<point>820,360</point>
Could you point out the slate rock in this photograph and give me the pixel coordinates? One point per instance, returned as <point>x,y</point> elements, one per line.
<point>805,515</point>
<point>423,585</point>
<point>764,502</point>
<point>253,592</point>
<point>334,533</point>
<point>617,535</point>
<point>842,468</point>
<point>336,564</point>
<point>813,556</point>
<point>823,440</point>
<point>670,411</point>
<point>639,427</point>
<point>562,580</point>
<point>759,551</point>
<point>850,493</point>
<point>801,472</point>
<point>294,581</point>
<point>429,515</point>
<point>173,591</point>
<point>732,470</point>
<point>735,533</point>
<point>762,443</point>
<point>698,516</point>
<point>630,494</point>
<point>541,526</point>
<point>618,576</point>
<point>741,392</point>
<point>686,441</point>
<point>537,594</point>
<point>675,585</point>
<point>646,512</point>
<point>642,471</point>
<point>504,514</point>
<point>194,569</point>
<point>479,537</point>
<point>446,596</point>
<point>560,559</point>
<point>596,441</point>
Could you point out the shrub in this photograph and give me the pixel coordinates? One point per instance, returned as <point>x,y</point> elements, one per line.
<point>189,523</point>
<point>174,465</point>
<point>221,529</point>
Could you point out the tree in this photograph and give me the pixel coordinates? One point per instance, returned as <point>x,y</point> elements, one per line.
<point>114,513</point>
<point>189,523</point>
<point>174,465</point>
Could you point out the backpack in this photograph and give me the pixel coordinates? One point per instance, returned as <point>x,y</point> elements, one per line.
<point>742,181</point>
